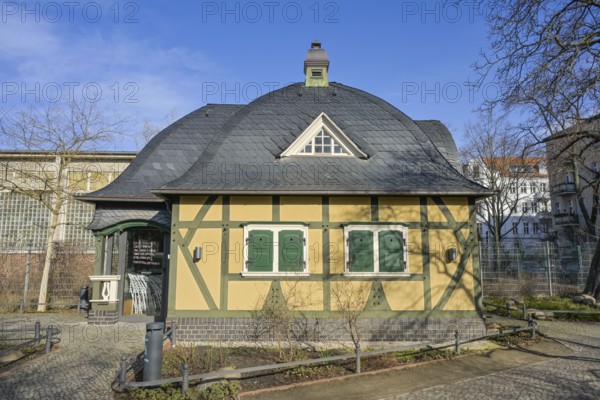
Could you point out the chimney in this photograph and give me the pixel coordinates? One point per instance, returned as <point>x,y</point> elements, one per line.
<point>316,66</point>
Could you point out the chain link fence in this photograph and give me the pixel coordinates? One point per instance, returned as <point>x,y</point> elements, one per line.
<point>534,268</point>
<point>21,268</point>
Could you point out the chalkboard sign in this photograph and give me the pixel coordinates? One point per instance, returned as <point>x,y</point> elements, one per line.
<point>146,251</point>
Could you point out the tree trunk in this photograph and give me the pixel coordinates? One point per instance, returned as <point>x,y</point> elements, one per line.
<point>50,248</point>
<point>592,285</point>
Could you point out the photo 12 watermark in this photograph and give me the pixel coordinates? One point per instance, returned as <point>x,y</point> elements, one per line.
<point>445,11</point>
<point>69,12</point>
<point>270,12</point>
<point>53,92</point>
<point>448,92</point>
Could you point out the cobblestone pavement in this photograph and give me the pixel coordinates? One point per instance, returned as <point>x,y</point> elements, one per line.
<point>82,366</point>
<point>570,377</point>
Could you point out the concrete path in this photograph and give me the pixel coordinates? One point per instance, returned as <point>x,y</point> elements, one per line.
<point>548,371</point>
<point>88,358</point>
<point>81,367</point>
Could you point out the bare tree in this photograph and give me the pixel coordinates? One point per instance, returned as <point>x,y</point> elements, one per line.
<point>545,60</point>
<point>350,301</point>
<point>61,130</point>
<point>150,129</point>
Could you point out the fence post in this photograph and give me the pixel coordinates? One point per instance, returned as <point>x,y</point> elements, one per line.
<point>532,326</point>
<point>173,333</point>
<point>38,327</point>
<point>524,311</point>
<point>123,372</point>
<point>27,272</point>
<point>549,266</point>
<point>48,339</point>
<point>457,341</point>
<point>21,306</point>
<point>357,366</point>
<point>186,378</point>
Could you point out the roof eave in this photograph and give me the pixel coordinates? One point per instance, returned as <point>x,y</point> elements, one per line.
<point>167,192</point>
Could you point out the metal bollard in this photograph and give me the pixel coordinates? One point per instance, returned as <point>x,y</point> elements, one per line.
<point>37,331</point>
<point>21,306</point>
<point>123,372</point>
<point>48,339</point>
<point>153,346</point>
<point>457,341</point>
<point>357,366</point>
<point>84,299</point>
<point>524,311</point>
<point>185,384</point>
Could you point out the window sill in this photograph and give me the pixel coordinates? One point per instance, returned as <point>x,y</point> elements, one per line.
<point>378,274</point>
<point>275,274</point>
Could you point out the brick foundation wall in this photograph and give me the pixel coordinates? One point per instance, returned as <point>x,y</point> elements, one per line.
<point>198,329</point>
<point>103,317</point>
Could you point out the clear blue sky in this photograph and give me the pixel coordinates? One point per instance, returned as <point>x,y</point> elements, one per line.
<point>154,58</point>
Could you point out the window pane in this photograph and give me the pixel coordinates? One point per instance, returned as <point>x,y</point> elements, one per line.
<point>318,140</point>
<point>318,149</point>
<point>338,149</point>
<point>360,248</point>
<point>260,251</point>
<point>391,251</point>
<point>327,149</point>
<point>327,140</point>
<point>291,251</point>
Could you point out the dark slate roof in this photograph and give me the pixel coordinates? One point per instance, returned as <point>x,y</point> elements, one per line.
<point>402,159</point>
<point>442,139</point>
<point>167,156</point>
<point>108,216</point>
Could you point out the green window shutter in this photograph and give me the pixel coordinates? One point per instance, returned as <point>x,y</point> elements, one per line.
<point>391,251</point>
<point>291,251</point>
<point>360,249</point>
<point>260,251</point>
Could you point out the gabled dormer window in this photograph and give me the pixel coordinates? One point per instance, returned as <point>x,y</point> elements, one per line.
<point>323,138</point>
<point>323,143</point>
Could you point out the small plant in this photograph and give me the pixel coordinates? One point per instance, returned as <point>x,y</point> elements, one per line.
<point>412,356</point>
<point>316,372</point>
<point>199,358</point>
<point>223,390</point>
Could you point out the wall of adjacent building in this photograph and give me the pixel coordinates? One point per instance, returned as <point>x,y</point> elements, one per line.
<point>214,286</point>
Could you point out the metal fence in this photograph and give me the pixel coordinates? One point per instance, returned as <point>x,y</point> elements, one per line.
<point>534,268</point>
<point>21,268</point>
<point>122,382</point>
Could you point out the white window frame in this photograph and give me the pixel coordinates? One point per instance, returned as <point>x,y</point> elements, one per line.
<point>275,228</point>
<point>375,229</point>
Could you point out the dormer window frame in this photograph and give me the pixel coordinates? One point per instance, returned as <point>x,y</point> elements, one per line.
<point>323,124</point>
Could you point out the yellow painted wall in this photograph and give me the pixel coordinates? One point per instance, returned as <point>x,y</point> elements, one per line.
<point>336,251</point>
<point>393,209</point>
<point>301,208</point>
<point>187,294</point>
<point>249,295</point>
<point>349,209</point>
<point>458,206</point>
<point>251,208</point>
<point>405,296</point>
<point>402,295</point>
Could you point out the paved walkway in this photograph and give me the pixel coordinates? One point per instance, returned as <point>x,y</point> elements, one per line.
<point>82,367</point>
<point>548,371</point>
<point>88,360</point>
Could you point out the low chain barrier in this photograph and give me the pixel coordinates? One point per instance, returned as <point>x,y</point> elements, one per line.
<point>122,383</point>
<point>49,336</point>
